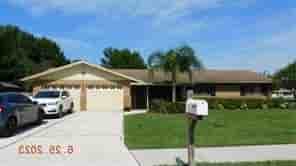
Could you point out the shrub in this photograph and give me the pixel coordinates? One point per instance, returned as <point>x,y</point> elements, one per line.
<point>264,106</point>
<point>220,107</point>
<point>283,105</point>
<point>275,103</point>
<point>230,104</point>
<point>245,103</point>
<point>158,106</point>
<point>292,105</point>
<point>244,106</point>
<point>165,107</point>
<point>255,103</point>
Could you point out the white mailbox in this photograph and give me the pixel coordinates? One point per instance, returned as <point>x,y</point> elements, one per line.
<point>197,107</point>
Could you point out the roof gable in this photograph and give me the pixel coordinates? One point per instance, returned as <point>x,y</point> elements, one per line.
<point>59,70</point>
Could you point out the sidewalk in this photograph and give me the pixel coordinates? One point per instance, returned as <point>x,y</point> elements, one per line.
<point>219,154</point>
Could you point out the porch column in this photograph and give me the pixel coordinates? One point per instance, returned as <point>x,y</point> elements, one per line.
<point>36,88</point>
<point>184,93</point>
<point>147,98</point>
<point>83,95</point>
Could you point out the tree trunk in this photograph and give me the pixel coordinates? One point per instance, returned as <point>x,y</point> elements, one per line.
<point>190,75</point>
<point>151,75</point>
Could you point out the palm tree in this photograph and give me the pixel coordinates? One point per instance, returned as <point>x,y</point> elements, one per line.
<point>154,63</point>
<point>181,59</point>
<point>188,61</point>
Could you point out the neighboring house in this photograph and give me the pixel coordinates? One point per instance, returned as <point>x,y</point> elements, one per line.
<point>9,87</point>
<point>95,88</point>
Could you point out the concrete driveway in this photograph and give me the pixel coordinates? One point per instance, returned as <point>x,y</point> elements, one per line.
<point>84,138</point>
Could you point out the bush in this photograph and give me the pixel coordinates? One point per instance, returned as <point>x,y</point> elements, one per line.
<point>284,105</point>
<point>220,107</point>
<point>230,104</point>
<point>246,103</point>
<point>264,106</point>
<point>244,106</point>
<point>292,105</point>
<point>255,103</point>
<point>165,107</point>
<point>275,103</point>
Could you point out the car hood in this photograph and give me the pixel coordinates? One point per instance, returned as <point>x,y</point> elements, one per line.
<point>45,100</point>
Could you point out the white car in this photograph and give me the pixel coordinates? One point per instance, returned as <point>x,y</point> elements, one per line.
<point>284,94</point>
<point>54,102</point>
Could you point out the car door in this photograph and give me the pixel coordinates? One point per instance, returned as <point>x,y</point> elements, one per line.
<point>30,113</point>
<point>13,100</point>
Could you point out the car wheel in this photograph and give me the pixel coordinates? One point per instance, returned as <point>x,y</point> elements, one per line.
<point>10,127</point>
<point>40,116</point>
<point>60,114</point>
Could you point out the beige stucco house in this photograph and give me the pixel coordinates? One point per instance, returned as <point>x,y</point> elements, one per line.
<point>96,88</point>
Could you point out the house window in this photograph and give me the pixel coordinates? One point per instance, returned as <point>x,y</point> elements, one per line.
<point>247,90</point>
<point>265,90</point>
<point>205,90</point>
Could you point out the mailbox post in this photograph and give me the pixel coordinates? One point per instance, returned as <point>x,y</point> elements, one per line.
<point>195,110</point>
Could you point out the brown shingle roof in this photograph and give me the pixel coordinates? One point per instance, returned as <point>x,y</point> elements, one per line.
<point>199,76</point>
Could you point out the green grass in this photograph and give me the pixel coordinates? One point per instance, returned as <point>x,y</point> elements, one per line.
<point>267,163</point>
<point>221,128</point>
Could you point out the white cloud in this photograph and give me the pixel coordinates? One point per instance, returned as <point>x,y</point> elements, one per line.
<point>159,8</point>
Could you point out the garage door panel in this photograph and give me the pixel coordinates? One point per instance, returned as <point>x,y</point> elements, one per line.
<point>104,99</point>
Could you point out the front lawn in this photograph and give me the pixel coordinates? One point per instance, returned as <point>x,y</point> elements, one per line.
<point>221,128</point>
<point>267,163</point>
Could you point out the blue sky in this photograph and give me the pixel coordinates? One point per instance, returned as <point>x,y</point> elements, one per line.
<point>226,34</point>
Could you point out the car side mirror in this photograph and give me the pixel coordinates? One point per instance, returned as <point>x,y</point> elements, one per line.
<point>64,97</point>
<point>35,102</point>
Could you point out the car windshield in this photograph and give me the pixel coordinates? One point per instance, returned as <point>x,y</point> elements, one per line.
<point>47,94</point>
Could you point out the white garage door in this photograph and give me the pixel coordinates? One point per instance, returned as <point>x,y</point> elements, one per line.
<point>104,99</point>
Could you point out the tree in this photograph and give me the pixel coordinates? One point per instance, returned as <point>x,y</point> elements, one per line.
<point>181,59</point>
<point>22,54</point>
<point>124,58</point>
<point>188,60</point>
<point>286,76</point>
<point>288,72</point>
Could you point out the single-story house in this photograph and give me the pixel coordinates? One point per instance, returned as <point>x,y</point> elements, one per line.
<point>95,88</point>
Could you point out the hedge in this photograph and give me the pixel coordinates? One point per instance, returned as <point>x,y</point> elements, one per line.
<point>162,106</point>
<point>247,103</point>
